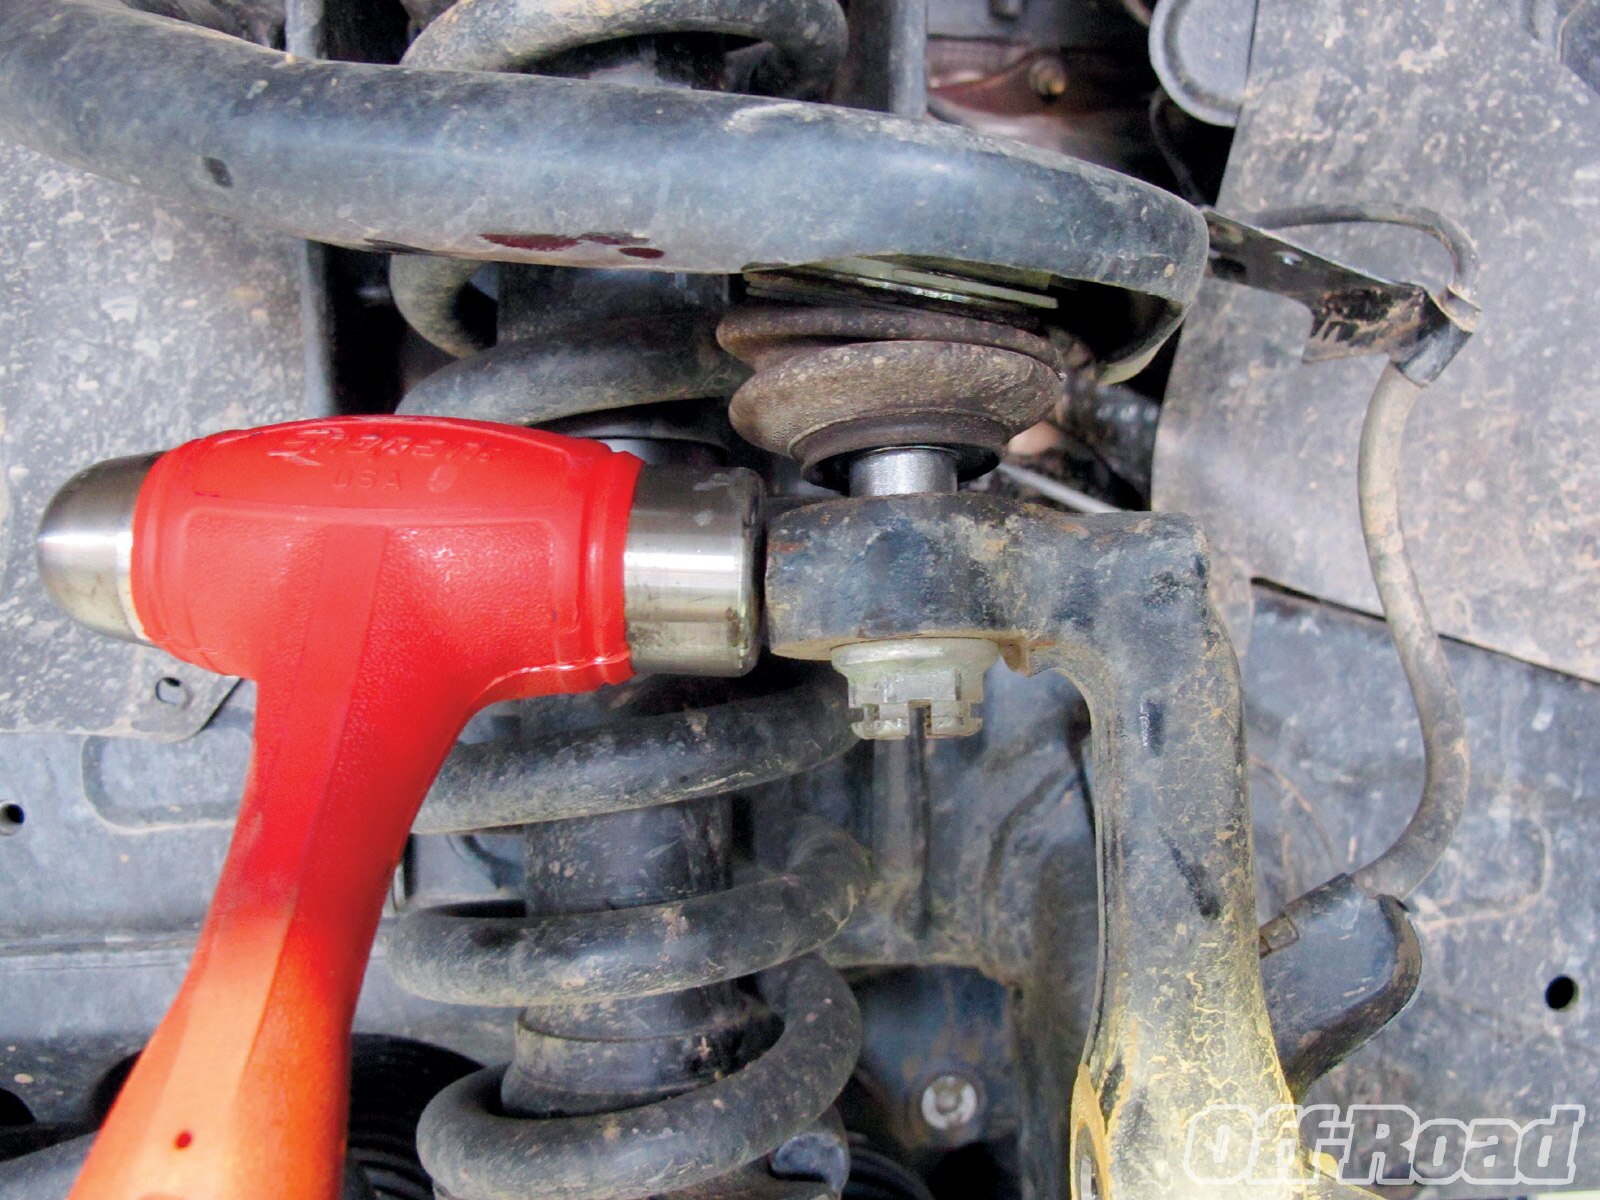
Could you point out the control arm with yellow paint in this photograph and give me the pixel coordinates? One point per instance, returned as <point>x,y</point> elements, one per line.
<point>1119,603</point>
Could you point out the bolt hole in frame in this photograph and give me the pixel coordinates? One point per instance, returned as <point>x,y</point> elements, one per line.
<point>1561,993</point>
<point>12,818</point>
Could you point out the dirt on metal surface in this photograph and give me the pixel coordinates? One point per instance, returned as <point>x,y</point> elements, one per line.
<point>1461,111</point>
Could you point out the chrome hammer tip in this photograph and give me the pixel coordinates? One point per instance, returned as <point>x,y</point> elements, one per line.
<point>85,545</point>
<point>692,571</point>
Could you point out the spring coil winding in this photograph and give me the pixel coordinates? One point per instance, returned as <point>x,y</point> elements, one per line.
<point>623,998</point>
<point>638,1069</point>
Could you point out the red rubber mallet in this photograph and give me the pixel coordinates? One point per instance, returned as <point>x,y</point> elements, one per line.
<point>381,579</point>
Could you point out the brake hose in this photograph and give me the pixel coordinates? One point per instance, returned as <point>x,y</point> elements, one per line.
<point>1401,869</point>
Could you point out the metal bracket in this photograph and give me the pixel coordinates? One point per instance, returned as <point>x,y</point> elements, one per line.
<point>1353,313</point>
<point>1120,604</point>
<point>1337,965</point>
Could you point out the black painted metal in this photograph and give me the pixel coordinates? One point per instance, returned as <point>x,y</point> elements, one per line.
<point>1337,965</point>
<point>560,954</point>
<point>569,172</point>
<point>704,750</point>
<point>627,362</point>
<point>804,40</point>
<point>675,1143</point>
<point>625,949</point>
<point>649,43</point>
<point>600,1049</point>
<point>1353,312</point>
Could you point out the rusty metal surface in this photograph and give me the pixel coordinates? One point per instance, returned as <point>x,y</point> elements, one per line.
<point>1085,103</point>
<point>832,380</point>
<point>126,325</point>
<point>1353,313</point>
<point>1458,109</point>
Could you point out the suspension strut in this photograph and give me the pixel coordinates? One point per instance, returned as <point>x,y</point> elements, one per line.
<point>629,936</point>
<point>629,939</point>
<point>619,1025</point>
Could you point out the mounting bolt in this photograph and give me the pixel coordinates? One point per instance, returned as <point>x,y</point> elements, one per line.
<point>937,681</point>
<point>1048,77</point>
<point>950,1102</point>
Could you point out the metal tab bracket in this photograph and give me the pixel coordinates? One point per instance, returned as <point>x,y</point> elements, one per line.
<point>1353,313</point>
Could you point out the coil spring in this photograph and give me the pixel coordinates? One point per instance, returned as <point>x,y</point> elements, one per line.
<point>624,1000</point>
<point>638,1069</point>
